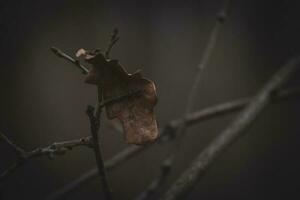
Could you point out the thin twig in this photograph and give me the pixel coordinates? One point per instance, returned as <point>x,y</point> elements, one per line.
<point>57,148</point>
<point>18,150</point>
<point>154,188</point>
<point>62,54</point>
<point>121,157</point>
<point>236,129</point>
<point>168,134</point>
<point>113,40</point>
<point>211,43</point>
<point>94,117</point>
<point>229,107</point>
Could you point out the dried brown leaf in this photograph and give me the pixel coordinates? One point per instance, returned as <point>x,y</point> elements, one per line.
<point>136,111</point>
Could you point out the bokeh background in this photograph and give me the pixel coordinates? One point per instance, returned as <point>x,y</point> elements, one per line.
<point>43,98</point>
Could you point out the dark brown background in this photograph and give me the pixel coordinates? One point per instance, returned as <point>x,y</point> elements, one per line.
<point>43,98</point>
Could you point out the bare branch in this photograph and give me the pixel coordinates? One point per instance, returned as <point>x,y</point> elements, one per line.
<point>61,54</point>
<point>168,134</point>
<point>113,40</point>
<point>18,150</point>
<point>211,43</point>
<point>229,107</point>
<point>94,117</point>
<point>57,148</point>
<point>236,129</point>
<point>155,185</point>
<point>119,158</point>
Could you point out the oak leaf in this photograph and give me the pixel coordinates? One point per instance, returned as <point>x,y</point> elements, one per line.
<point>136,110</point>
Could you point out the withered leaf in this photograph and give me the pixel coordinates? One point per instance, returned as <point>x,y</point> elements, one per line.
<point>136,111</point>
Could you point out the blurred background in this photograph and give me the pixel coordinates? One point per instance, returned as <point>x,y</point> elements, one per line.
<point>43,98</point>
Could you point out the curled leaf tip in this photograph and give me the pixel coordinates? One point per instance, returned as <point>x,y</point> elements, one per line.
<point>80,52</point>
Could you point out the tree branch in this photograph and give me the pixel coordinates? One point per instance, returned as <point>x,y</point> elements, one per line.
<point>229,107</point>
<point>236,129</point>
<point>211,43</point>
<point>110,164</point>
<point>155,186</point>
<point>57,148</point>
<point>113,40</point>
<point>18,150</point>
<point>168,134</point>
<point>94,117</point>
<point>61,54</point>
